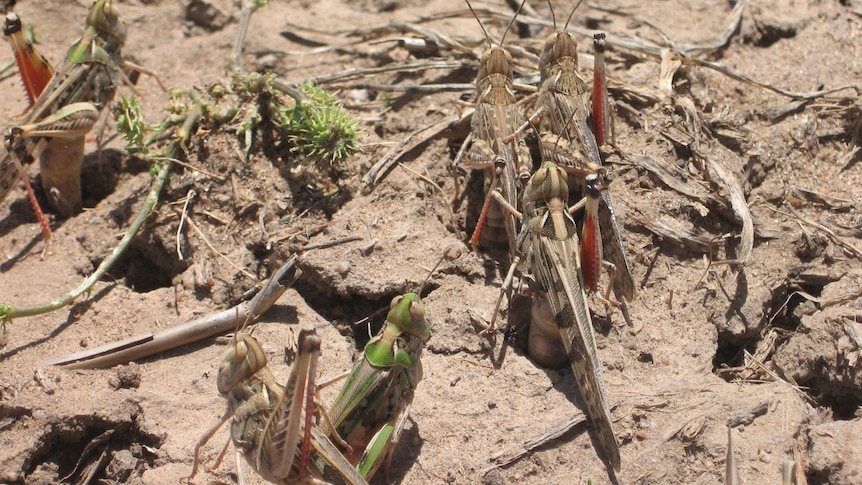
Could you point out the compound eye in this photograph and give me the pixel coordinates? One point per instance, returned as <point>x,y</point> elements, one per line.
<point>550,41</point>
<point>395,301</point>
<point>240,351</point>
<point>539,177</point>
<point>564,176</point>
<point>417,311</point>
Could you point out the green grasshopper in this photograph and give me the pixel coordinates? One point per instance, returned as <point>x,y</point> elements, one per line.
<point>272,425</point>
<point>67,108</point>
<point>371,409</point>
<point>550,255</point>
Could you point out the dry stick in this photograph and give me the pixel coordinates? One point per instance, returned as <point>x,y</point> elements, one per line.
<point>734,19</point>
<point>731,471</point>
<point>8,312</point>
<point>152,343</point>
<point>413,140</point>
<point>443,41</point>
<point>351,74</point>
<point>854,251</point>
<point>740,208</point>
<point>748,416</point>
<point>406,88</point>
<point>189,196</point>
<point>533,443</point>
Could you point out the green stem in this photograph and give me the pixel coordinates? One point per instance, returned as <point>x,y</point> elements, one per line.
<point>8,312</point>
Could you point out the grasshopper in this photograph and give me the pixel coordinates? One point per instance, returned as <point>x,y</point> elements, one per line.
<point>549,247</point>
<point>272,424</point>
<point>497,147</point>
<point>67,108</point>
<point>566,138</point>
<point>372,408</point>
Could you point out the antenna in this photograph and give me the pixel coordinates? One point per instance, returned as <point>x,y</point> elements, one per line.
<point>566,27</point>
<point>512,22</point>
<point>487,37</point>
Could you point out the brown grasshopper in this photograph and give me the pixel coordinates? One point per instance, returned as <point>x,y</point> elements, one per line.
<point>67,108</point>
<point>273,425</point>
<point>566,139</point>
<point>497,148</point>
<point>549,247</point>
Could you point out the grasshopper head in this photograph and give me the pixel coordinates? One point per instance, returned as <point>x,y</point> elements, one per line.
<point>495,60</point>
<point>549,181</point>
<point>408,313</point>
<point>390,347</point>
<point>105,18</point>
<point>242,359</point>
<point>558,46</point>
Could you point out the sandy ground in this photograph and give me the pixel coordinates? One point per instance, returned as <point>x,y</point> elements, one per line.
<point>795,306</point>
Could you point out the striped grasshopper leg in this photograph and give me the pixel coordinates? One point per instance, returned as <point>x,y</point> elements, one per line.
<point>67,109</point>
<point>498,148</point>
<point>568,140</point>
<point>372,407</point>
<point>549,244</point>
<point>272,425</point>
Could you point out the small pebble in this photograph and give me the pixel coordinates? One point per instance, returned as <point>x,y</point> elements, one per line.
<point>40,415</point>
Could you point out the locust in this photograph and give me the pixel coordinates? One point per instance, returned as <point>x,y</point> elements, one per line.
<point>65,110</point>
<point>497,148</point>
<point>372,407</point>
<point>566,137</point>
<point>273,425</point>
<point>549,254</point>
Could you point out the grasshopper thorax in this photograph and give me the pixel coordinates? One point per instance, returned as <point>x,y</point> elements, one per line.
<point>242,359</point>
